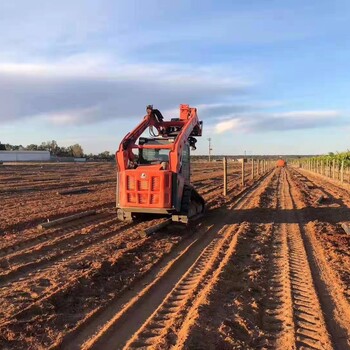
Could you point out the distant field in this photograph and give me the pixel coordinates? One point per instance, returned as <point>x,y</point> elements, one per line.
<point>267,267</point>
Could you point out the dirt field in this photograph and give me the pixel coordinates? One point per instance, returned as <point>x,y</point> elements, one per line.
<point>268,267</point>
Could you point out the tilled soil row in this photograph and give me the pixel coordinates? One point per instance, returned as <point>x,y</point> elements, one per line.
<point>48,276</point>
<point>20,263</point>
<point>50,282</point>
<point>230,316</point>
<point>23,211</point>
<point>30,218</point>
<point>335,190</point>
<point>159,331</point>
<point>34,236</point>
<point>325,225</point>
<point>57,244</point>
<point>300,309</point>
<point>310,329</point>
<point>36,241</point>
<point>95,278</point>
<point>116,333</point>
<point>239,290</point>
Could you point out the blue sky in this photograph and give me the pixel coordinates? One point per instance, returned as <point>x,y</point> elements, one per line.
<point>267,77</point>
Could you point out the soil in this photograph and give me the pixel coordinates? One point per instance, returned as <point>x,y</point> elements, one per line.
<point>267,267</point>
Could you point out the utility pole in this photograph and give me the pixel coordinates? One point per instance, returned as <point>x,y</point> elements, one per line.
<point>210,149</point>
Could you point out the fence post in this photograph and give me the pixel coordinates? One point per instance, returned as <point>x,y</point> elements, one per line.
<point>252,168</point>
<point>333,169</point>
<point>225,175</point>
<point>243,172</point>
<point>342,171</point>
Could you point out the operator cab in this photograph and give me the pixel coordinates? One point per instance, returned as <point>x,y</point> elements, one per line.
<point>155,155</point>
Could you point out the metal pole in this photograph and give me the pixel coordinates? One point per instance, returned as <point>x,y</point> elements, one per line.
<point>209,139</point>
<point>225,175</point>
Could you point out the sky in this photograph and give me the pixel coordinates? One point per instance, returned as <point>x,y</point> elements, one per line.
<point>267,77</point>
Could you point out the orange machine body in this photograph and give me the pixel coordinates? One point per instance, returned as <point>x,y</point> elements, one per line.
<point>157,187</point>
<point>145,189</point>
<point>281,163</point>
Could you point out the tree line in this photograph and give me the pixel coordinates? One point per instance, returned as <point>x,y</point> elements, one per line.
<point>75,150</point>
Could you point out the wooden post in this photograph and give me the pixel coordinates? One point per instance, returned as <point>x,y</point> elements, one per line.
<point>323,172</point>
<point>243,172</point>
<point>225,175</point>
<point>155,228</point>
<point>252,168</point>
<point>333,169</point>
<point>66,219</point>
<point>342,171</point>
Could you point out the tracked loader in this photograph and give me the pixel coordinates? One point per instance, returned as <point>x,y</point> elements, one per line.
<point>154,172</point>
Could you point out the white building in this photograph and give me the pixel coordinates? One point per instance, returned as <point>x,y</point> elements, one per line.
<point>24,156</point>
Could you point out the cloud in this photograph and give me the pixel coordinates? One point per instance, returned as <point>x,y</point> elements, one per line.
<point>284,121</point>
<point>227,125</point>
<point>88,89</point>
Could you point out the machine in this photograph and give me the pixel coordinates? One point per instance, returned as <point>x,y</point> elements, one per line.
<point>154,172</point>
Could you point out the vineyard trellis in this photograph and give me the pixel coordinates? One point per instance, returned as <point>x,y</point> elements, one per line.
<point>333,165</point>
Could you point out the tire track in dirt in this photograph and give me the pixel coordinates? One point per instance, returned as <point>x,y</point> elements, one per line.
<point>238,290</point>
<point>133,315</point>
<point>68,283</point>
<point>334,305</point>
<point>326,218</point>
<point>297,314</point>
<point>303,324</point>
<point>278,319</point>
<point>309,324</point>
<point>314,325</point>
<point>201,274</point>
